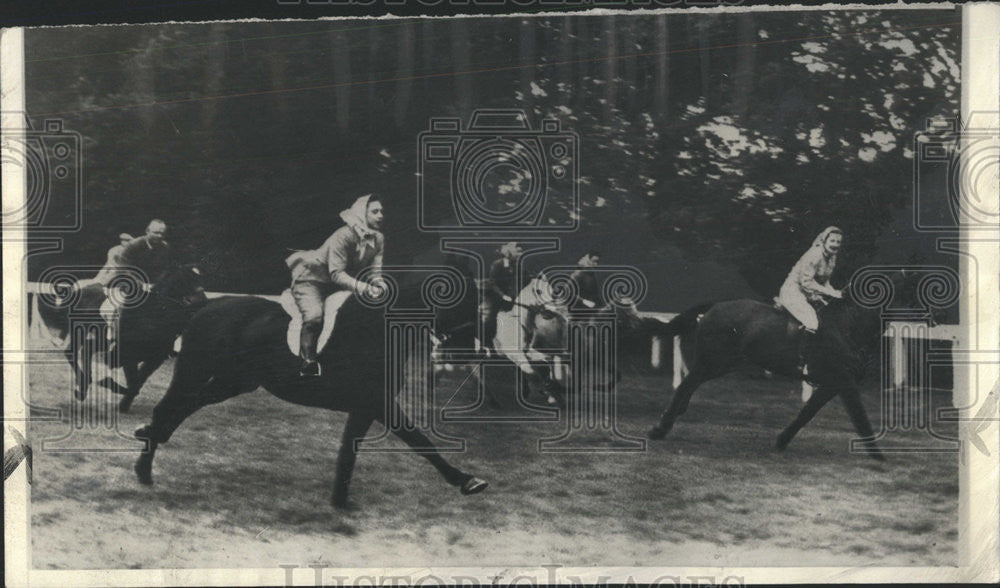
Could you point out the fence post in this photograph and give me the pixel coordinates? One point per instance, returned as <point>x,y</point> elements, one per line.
<point>680,369</point>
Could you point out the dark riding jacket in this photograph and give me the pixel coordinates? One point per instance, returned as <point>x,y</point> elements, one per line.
<point>153,260</point>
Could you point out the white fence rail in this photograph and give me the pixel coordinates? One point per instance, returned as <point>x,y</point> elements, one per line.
<point>898,332</point>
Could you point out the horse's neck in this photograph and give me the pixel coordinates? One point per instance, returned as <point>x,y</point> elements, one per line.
<point>859,325</point>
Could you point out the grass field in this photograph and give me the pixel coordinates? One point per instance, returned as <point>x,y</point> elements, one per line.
<point>247,483</point>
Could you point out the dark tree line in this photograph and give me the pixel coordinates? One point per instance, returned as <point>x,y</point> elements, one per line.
<point>735,137</point>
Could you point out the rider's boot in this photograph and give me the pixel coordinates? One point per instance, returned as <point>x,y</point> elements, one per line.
<point>807,350</point>
<point>308,338</point>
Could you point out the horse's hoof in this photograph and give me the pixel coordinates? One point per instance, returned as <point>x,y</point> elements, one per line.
<point>126,403</point>
<point>79,394</point>
<point>110,384</point>
<point>656,433</point>
<point>344,505</point>
<point>144,471</point>
<point>143,433</point>
<point>473,486</point>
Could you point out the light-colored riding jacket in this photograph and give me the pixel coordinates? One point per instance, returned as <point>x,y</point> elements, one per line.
<point>352,248</point>
<point>811,274</point>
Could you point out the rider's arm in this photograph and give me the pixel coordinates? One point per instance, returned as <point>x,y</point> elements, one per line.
<point>807,278</point>
<point>337,253</point>
<point>129,252</point>
<point>109,265</point>
<point>497,270</point>
<point>377,261</point>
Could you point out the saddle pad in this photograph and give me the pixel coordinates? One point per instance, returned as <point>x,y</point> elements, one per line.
<point>330,307</point>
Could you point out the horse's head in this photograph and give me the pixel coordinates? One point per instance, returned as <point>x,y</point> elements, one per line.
<point>182,284</point>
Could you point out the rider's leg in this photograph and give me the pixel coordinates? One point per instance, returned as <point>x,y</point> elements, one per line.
<point>331,307</point>
<point>799,306</point>
<point>488,314</point>
<point>109,311</point>
<point>309,300</point>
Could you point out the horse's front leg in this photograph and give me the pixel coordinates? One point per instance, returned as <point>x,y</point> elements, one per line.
<point>542,366</point>
<point>856,410</point>
<point>355,429</point>
<point>82,356</point>
<point>136,375</point>
<point>466,483</point>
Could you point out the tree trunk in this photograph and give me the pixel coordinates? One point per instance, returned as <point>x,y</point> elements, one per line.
<point>705,64</point>
<point>427,59</point>
<point>662,83</point>
<point>142,79</point>
<point>526,57</point>
<point>582,83</point>
<point>374,43</point>
<point>277,82</point>
<point>744,82</point>
<point>566,68</point>
<point>215,69</point>
<point>404,75</point>
<point>460,66</point>
<point>342,78</point>
<point>630,79</point>
<point>610,67</point>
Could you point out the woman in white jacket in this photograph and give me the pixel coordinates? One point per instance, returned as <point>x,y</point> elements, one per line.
<point>808,284</point>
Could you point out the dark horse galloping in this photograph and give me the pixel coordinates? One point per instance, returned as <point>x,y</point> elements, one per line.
<point>737,332</point>
<point>236,344</point>
<point>146,332</point>
<point>147,325</point>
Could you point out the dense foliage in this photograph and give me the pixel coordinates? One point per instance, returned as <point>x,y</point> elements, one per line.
<point>719,141</point>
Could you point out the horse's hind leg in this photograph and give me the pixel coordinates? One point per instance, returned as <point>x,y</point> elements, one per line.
<point>419,442</point>
<point>355,429</point>
<point>819,398</point>
<point>678,405</point>
<point>81,356</point>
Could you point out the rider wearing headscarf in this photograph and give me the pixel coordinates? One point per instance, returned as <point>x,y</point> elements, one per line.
<point>331,270</point>
<point>808,284</point>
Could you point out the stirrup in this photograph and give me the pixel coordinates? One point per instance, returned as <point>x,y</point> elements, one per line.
<point>311,369</point>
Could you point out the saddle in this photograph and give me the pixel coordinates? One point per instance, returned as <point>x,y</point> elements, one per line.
<point>795,327</point>
<point>331,305</point>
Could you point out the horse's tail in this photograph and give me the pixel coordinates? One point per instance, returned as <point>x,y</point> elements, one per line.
<point>683,324</point>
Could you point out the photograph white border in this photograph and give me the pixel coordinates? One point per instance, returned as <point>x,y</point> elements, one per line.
<point>979,476</point>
